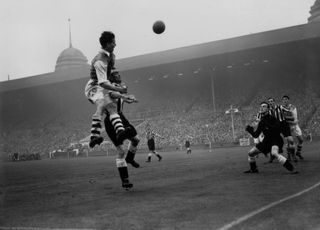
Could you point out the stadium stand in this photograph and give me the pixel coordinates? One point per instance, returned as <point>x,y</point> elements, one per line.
<point>185,97</point>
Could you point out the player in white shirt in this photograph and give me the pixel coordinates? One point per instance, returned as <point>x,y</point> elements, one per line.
<point>292,120</point>
<point>98,90</point>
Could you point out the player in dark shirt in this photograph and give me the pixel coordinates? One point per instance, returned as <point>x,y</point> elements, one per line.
<point>151,144</point>
<point>272,142</point>
<point>121,160</point>
<point>278,112</point>
<point>187,145</point>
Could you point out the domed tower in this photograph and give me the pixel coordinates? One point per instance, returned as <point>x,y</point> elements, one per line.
<point>315,12</point>
<point>70,57</point>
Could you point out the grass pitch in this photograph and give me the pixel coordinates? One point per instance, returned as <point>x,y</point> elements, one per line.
<point>202,190</point>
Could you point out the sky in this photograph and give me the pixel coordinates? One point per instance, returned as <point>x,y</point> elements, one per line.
<point>35,32</point>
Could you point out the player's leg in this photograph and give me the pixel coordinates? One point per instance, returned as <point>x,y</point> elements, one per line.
<point>123,168</point>
<point>298,134</point>
<point>290,142</point>
<point>153,149</point>
<point>95,137</point>
<point>120,161</point>
<point>155,153</point>
<point>252,154</point>
<point>299,147</point>
<point>132,151</point>
<point>291,149</point>
<point>286,132</point>
<point>158,155</point>
<point>114,117</point>
<point>131,134</point>
<point>188,150</point>
<point>149,157</point>
<point>281,159</point>
<point>271,158</point>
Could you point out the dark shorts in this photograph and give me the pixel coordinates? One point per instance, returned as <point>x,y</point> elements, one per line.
<point>112,133</point>
<point>285,129</point>
<point>151,145</point>
<point>266,145</point>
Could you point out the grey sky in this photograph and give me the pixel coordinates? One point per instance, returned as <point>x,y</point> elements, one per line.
<point>35,32</point>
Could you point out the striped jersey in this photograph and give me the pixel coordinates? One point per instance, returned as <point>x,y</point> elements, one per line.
<point>276,112</point>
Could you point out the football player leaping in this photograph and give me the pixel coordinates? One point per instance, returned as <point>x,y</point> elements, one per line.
<point>98,87</point>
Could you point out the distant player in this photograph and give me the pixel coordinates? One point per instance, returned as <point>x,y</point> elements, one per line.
<point>188,146</point>
<point>308,135</point>
<point>151,144</point>
<point>272,141</point>
<point>292,119</point>
<point>98,89</point>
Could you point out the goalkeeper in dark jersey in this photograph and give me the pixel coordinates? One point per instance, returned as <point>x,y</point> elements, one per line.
<point>272,142</point>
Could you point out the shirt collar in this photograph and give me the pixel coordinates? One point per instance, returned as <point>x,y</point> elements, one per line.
<point>105,52</point>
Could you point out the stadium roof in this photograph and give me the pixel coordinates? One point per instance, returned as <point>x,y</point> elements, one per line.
<point>298,33</point>
<point>70,57</point>
<point>286,44</point>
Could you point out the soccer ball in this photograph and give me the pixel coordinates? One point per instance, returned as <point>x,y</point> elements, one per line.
<point>158,27</point>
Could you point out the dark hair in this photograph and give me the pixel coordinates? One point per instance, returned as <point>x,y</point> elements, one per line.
<point>263,102</point>
<point>106,37</point>
<point>286,96</point>
<point>115,77</point>
<point>270,98</point>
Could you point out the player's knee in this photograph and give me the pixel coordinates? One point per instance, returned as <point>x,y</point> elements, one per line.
<point>121,162</point>
<point>99,110</point>
<point>121,152</point>
<point>100,103</point>
<point>252,153</point>
<point>97,116</point>
<point>251,159</point>
<point>111,107</point>
<point>135,141</point>
<point>275,150</point>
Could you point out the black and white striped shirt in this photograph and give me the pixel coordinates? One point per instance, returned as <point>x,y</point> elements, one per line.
<point>277,112</point>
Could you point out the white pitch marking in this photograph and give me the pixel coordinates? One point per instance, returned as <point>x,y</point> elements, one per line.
<point>251,214</point>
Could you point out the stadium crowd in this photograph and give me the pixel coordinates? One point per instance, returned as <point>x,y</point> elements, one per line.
<point>175,114</point>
